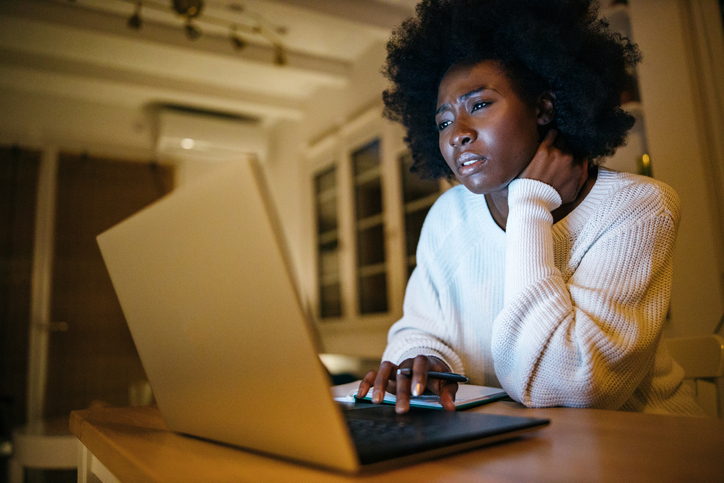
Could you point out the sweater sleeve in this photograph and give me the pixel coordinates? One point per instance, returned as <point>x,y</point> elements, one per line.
<point>587,341</point>
<point>422,330</point>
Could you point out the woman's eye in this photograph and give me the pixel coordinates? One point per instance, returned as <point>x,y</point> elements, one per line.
<point>442,125</point>
<point>479,105</point>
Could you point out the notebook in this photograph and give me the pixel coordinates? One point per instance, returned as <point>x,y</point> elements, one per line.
<point>205,285</point>
<point>467,396</point>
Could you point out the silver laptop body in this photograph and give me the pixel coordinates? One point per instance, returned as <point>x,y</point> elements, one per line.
<point>205,286</point>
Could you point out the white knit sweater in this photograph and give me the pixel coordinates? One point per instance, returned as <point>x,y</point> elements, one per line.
<point>558,315</point>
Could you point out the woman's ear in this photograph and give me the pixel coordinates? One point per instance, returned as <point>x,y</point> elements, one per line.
<point>546,108</point>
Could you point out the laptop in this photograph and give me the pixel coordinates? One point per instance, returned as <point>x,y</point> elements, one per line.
<point>204,281</point>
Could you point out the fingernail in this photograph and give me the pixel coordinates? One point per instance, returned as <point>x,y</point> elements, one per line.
<point>377,397</point>
<point>400,409</point>
<point>417,389</point>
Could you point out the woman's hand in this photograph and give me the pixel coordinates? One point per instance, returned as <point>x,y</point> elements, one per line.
<point>387,379</point>
<point>556,167</point>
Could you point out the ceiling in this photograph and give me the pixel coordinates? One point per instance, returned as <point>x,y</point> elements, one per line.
<point>84,50</point>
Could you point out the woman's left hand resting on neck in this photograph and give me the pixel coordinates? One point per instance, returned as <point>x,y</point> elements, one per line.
<point>554,166</point>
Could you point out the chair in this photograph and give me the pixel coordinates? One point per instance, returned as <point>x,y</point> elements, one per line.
<point>49,444</point>
<point>46,445</point>
<point>702,359</point>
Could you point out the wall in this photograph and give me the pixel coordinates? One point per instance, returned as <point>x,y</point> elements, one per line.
<point>39,120</point>
<point>674,129</point>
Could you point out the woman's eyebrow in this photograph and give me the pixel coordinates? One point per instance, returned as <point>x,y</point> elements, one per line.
<point>471,93</point>
<point>461,98</point>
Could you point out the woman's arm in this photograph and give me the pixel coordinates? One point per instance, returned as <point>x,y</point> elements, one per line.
<point>422,329</point>
<point>420,340</point>
<point>587,341</point>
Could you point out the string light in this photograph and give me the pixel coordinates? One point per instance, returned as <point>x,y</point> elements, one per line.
<point>135,21</point>
<point>279,57</point>
<point>192,9</point>
<point>236,40</point>
<point>188,8</point>
<point>192,32</point>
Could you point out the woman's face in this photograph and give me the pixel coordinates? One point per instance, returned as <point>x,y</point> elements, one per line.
<point>488,134</point>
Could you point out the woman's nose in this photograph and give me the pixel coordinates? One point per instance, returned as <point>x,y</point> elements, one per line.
<point>462,134</point>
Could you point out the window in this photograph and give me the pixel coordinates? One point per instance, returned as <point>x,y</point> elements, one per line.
<point>330,295</point>
<point>370,229</point>
<point>367,210</point>
<point>418,195</point>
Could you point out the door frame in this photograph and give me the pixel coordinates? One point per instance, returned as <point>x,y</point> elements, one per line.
<point>41,284</point>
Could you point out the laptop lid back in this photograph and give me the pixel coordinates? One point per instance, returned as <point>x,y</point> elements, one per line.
<point>203,281</point>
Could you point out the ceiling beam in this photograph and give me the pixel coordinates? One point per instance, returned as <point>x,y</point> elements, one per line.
<point>65,31</point>
<point>384,16</point>
<point>137,92</point>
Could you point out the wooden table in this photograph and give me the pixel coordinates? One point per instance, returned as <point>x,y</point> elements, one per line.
<point>133,444</point>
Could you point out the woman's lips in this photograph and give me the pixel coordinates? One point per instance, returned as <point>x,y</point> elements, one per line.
<point>469,163</point>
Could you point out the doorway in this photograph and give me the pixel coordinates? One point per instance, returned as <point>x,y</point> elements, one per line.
<point>91,356</point>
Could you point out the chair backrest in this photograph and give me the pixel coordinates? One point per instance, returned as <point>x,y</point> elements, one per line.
<point>700,357</point>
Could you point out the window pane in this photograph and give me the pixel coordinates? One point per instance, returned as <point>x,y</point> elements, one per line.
<point>413,227</point>
<point>371,246</point>
<point>372,271</point>
<point>418,196</point>
<point>327,180</point>
<point>368,197</point>
<point>367,158</point>
<point>330,302</point>
<point>327,215</point>
<point>328,261</point>
<point>373,293</point>
<point>413,187</point>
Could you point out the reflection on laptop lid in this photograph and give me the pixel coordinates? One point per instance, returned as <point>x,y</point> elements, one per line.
<point>206,288</point>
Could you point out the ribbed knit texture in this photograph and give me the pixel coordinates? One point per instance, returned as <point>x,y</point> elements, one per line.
<point>557,315</point>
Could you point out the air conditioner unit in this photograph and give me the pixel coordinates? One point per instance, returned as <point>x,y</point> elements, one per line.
<point>194,135</point>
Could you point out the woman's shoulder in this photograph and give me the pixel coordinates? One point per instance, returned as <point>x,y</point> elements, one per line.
<point>451,198</point>
<point>456,208</point>
<point>637,195</point>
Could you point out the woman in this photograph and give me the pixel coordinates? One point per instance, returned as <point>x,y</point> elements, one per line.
<point>541,273</point>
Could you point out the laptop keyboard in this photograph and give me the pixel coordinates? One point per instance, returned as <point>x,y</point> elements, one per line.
<point>380,434</point>
<point>363,430</point>
<point>380,426</point>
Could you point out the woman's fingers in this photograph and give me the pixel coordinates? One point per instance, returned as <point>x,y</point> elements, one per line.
<point>366,384</point>
<point>420,366</point>
<point>402,393</point>
<point>405,386</point>
<point>447,395</point>
<point>554,165</point>
<point>550,137</point>
<point>382,380</point>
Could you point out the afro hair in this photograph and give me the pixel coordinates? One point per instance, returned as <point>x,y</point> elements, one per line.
<point>561,46</point>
